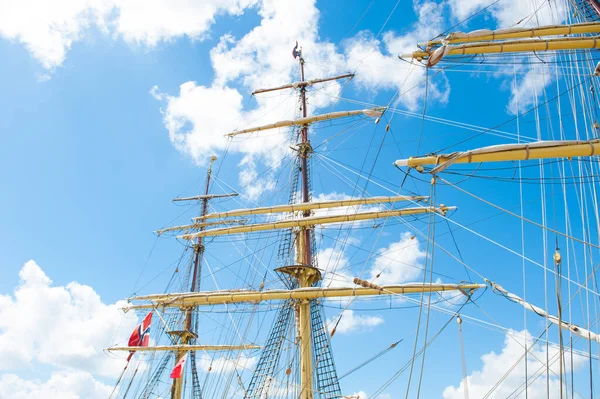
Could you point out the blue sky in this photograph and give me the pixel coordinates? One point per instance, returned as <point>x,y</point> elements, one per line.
<point>111,110</point>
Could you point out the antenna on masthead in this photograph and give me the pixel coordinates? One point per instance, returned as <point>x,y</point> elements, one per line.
<point>297,52</point>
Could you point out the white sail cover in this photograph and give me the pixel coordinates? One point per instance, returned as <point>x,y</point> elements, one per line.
<point>582,332</point>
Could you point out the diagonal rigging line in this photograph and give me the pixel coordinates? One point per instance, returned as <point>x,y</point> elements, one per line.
<point>472,231</point>
<point>521,217</point>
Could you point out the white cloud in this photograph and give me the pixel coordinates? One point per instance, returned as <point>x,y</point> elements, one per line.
<point>334,266</point>
<point>529,87</point>
<point>152,21</point>
<point>262,58</point>
<point>509,13</point>
<point>223,365</point>
<point>335,196</point>
<point>496,365</point>
<point>363,395</point>
<point>64,326</point>
<point>61,385</point>
<point>379,67</point>
<point>533,79</point>
<point>199,116</point>
<point>49,28</point>
<point>400,262</point>
<point>351,322</point>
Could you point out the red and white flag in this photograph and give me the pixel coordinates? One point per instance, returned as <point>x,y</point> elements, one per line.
<point>141,334</point>
<point>178,369</point>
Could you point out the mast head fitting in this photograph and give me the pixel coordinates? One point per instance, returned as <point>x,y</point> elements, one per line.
<point>306,275</point>
<point>557,257</point>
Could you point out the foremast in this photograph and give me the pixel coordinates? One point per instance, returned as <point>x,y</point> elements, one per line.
<point>183,340</point>
<point>188,334</point>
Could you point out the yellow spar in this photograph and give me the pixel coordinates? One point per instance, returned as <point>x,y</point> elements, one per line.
<point>307,206</point>
<point>183,348</point>
<point>509,152</point>
<point>484,35</point>
<point>508,46</point>
<point>315,220</point>
<point>373,112</point>
<point>192,299</point>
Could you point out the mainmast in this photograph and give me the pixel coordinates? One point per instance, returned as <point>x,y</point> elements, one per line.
<point>302,294</point>
<point>304,255</point>
<point>304,272</point>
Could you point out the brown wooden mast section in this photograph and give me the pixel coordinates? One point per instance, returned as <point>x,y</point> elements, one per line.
<point>304,258</point>
<point>184,337</point>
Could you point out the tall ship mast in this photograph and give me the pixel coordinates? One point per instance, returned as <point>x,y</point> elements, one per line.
<point>168,356</point>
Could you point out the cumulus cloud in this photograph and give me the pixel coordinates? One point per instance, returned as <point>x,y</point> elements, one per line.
<point>533,78</point>
<point>61,385</point>
<point>49,28</point>
<point>223,365</point>
<point>378,64</point>
<point>400,262</point>
<point>199,116</point>
<point>509,13</point>
<point>363,395</point>
<point>334,266</point>
<point>151,21</point>
<point>529,87</point>
<point>64,326</point>
<point>496,365</point>
<point>349,322</point>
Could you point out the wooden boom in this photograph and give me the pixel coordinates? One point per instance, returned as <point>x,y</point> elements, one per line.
<point>305,83</point>
<point>315,220</point>
<point>510,152</point>
<point>203,197</point>
<point>191,299</point>
<point>510,46</point>
<point>374,112</point>
<point>198,225</point>
<point>307,206</point>
<point>183,348</point>
<point>483,35</point>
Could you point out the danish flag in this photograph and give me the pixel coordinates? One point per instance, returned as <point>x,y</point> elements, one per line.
<point>178,369</point>
<point>141,334</point>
